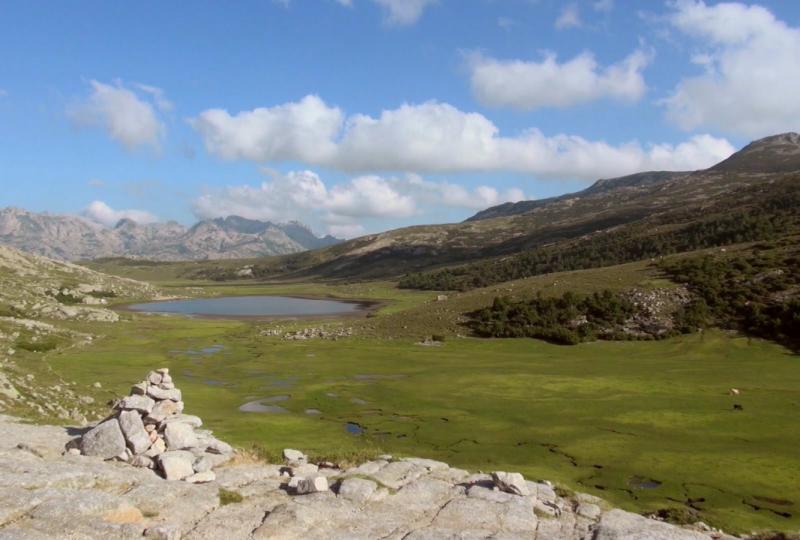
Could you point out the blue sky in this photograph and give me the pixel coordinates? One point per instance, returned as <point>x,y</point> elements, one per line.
<point>362,115</point>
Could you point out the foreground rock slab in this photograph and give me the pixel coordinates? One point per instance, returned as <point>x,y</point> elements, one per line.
<point>48,493</point>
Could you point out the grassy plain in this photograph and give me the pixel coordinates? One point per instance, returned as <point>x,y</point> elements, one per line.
<point>605,418</point>
<point>645,425</point>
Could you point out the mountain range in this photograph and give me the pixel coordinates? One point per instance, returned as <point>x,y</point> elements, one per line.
<point>69,237</point>
<point>751,195</point>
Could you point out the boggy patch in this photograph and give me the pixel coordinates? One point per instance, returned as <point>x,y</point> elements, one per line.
<point>354,428</point>
<point>641,482</point>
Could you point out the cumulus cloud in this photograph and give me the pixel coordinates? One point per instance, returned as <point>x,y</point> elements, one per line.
<point>343,208</point>
<point>433,137</point>
<point>285,196</point>
<point>301,130</point>
<point>444,193</point>
<point>102,213</point>
<point>529,85</point>
<point>570,17</point>
<point>404,12</point>
<point>125,116</point>
<point>750,78</point>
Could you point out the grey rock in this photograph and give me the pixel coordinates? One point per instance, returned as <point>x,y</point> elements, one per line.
<point>202,464</point>
<point>163,532</point>
<point>294,456</point>
<point>179,436</point>
<point>161,411</point>
<point>142,404</point>
<point>133,429</point>
<point>176,465</point>
<point>157,448</point>
<point>142,461</point>
<point>588,510</point>
<point>160,394</point>
<point>357,490</point>
<point>305,470</point>
<point>104,440</point>
<point>215,446</point>
<point>201,477</point>
<point>513,483</point>
<point>621,525</point>
<point>139,389</point>
<point>399,473</point>
<point>317,484</point>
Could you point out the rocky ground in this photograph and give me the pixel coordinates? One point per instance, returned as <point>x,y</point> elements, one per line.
<point>39,298</point>
<point>46,492</point>
<point>34,287</point>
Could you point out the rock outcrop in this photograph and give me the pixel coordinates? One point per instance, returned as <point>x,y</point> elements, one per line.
<point>147,429</point>
<point>116,482</point>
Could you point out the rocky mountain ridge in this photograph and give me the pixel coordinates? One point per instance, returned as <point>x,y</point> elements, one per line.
<point>773,154</point>
<point>69,237</point>
<point>760,180</point>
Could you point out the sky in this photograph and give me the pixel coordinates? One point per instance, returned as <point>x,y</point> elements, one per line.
<point>357,116</point>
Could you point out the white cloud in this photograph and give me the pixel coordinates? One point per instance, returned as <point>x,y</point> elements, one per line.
<point>344,208</point>
<point>369,196</point>
<point>404,12</point>
<point>603,5</point>
<point>297,192</point>
<point>100,212</point>
<point>529,85</point>
<point>300,130</point>
<point>345,3</point>
<point>444,193</point>
<point>303,195</point>
<point>159,97</point>
<point>750,80</point>
<point>433,137</point>
<point>351,230</point>
<point>570,17</point>
<point>126,117</point>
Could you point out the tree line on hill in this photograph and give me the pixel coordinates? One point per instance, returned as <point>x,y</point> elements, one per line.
<point>765,219</point>
<point>756,293</point>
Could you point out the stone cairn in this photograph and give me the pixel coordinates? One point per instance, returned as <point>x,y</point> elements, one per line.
<point>148,429</point>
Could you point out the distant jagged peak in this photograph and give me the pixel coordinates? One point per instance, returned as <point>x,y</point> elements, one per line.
<point>125,223</point>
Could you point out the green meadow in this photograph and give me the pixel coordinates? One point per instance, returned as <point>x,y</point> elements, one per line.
<point>645,425</point>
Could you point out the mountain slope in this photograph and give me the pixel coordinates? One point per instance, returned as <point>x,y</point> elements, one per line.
<point>73,238</point>
<point>628,213</point>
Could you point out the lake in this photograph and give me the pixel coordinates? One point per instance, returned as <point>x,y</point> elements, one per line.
<point>251,306</point>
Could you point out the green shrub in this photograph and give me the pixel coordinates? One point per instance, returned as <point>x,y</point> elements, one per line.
<point>227,496</point>
<point>67,299</point>
<point>38,346</point>
<point>567,320</point>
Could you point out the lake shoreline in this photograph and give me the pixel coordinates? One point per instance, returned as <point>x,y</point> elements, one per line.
<point>363,309</point>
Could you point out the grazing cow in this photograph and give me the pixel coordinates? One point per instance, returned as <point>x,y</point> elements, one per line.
<point>737,407</point>
<point>734,392</point>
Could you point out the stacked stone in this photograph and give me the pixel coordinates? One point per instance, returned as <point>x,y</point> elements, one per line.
<point>148,429</point>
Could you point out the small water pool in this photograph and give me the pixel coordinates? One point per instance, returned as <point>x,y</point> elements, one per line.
<point>252,306</point>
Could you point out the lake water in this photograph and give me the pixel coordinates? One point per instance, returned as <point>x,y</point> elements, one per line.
<point>250,306</point>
